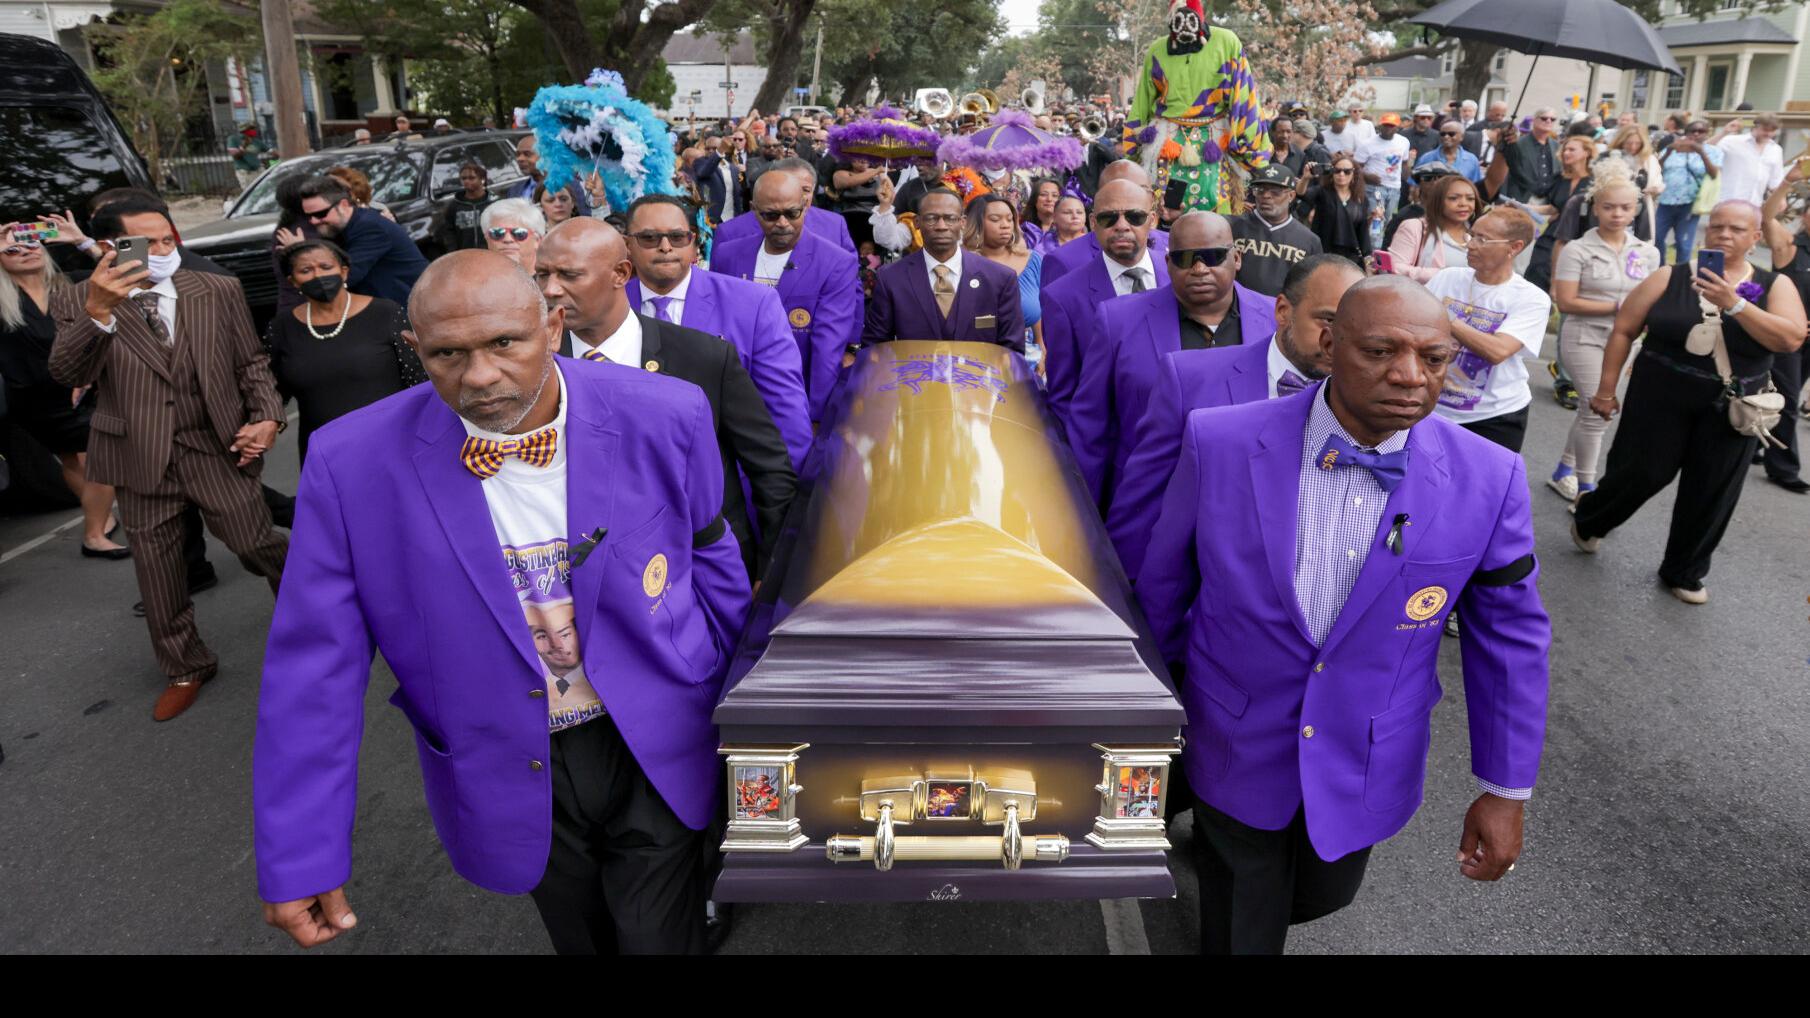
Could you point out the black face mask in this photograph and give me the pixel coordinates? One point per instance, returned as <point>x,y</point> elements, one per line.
<point>322,288</point>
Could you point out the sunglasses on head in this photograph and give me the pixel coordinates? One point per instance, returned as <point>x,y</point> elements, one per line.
<point>1211,257</point>
<point>1110,217</point>
<point>775,215</point>
<point>650,239</point>
<point>519,233</point>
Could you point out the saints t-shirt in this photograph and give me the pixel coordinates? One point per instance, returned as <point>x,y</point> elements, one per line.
<point>769,267</point>
<point>528,508</point>
<point>1475,389</point>
<point>1268,252</point>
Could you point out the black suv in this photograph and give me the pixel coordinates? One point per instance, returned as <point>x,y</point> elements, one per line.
<point>410,178</point>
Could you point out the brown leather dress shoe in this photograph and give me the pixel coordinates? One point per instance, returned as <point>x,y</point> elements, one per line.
<point>176,698</point>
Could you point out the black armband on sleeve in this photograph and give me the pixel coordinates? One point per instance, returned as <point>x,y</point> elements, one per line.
<point>710,533</point>
<point>1508,575</point>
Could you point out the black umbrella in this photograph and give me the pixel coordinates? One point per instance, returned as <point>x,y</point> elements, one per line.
<point>1598,31</point>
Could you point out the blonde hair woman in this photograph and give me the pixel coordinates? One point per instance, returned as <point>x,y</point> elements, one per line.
<point>1631,145</point>
<point>1595,273</point>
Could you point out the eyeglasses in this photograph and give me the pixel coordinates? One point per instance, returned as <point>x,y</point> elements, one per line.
<point>519,233</point>
<point>938,218</point>
<point>1110,217</point>
<point>1546,118</point>
<point>1211,257</point>
<point>650,239</point>
<point>775,215</point>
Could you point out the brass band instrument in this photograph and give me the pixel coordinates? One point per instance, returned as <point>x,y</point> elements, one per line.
<point>936,101</point>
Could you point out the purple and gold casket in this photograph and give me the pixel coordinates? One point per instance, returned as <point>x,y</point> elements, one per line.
<point>946,690</point>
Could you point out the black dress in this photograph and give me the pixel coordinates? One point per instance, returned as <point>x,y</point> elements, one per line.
<point>329,378</point>
<point>1343,227</point>
<point>1674,423</point>
<point>36,402</point>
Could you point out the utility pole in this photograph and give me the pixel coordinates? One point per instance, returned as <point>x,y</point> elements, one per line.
<point>282,72</point>
<point>817,62</point>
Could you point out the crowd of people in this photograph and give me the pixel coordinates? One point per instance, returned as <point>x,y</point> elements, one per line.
<point>673,361</point>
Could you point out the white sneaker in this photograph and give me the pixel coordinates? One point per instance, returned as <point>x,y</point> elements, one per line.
<point>1566,486</point>
<point>1698,596</point>
<point>1587,545</point>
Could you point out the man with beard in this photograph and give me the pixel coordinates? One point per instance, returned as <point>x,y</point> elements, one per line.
<point>1270,240</point>
<point>1294,358</point>
<point>385,262</point>
<point>421,520</point>
<point>1202,307</point>
<point>1306,550</point>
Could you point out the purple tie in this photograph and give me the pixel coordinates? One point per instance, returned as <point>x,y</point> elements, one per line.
<point>660,306</point>
<point>1289,384</point>
<point>1387,467</point>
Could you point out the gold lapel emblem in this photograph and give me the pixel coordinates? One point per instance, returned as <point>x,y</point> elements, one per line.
<point>652,365</point>
<point>653,578</point>
<point>1426,603</point>
<point>799,318</point>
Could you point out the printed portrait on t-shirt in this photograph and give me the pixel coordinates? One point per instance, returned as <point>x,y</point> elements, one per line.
<point>1467,377</point>
<point>541,575</point>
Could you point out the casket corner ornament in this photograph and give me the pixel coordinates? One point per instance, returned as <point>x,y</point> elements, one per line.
<point>894,728</point>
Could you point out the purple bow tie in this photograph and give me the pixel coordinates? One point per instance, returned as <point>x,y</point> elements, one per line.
<point>1290,383</point>
<point>1387,467</point>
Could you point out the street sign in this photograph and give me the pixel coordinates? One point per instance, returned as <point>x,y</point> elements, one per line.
<point>802,91</point>
<point>726,84</point>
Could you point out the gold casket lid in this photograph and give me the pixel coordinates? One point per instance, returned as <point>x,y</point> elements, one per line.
<point>947,506</point>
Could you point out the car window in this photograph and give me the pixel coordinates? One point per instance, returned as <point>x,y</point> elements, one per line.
<point>395,177</point>
<point>487,153</point>
<point>55,159</point>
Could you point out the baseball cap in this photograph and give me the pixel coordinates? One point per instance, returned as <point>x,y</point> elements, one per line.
<point>442,122</point>
<point>1274,175</point>
<point>1340,115</point>
<point>1392,119</point>
<point>1423,110</point>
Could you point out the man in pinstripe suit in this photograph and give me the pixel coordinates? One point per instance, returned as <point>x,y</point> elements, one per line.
<point>187,408</point>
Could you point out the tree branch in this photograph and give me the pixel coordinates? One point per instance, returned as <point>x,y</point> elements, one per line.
<point>1433,50</point>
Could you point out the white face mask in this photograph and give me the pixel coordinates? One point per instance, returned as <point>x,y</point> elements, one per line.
<point>163,267</point>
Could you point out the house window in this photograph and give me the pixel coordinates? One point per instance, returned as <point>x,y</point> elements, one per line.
<point>1675,90</point>
<point>1717,86</point>
<point>1639,95</point>
<point>1447,63</point>
<point>1500,63</point>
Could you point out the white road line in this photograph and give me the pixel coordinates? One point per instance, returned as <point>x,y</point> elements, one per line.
<point>1124,926</point>
<point>43,539</point>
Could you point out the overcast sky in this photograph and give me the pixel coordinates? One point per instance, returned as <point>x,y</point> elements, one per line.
<point>1021,15</point>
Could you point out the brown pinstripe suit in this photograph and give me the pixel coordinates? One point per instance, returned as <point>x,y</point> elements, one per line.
<point>164,423</point>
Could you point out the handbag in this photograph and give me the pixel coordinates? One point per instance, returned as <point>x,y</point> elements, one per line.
<point>1754,416</point>
<point>1709,192</point>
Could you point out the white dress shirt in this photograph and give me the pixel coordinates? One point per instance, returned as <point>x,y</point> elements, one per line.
<point>1278,364</point>
<point>725,170</point>
<point>1121,274</point>
<point>622,347</point>
<point>674,311</point>
<point>166,308</point>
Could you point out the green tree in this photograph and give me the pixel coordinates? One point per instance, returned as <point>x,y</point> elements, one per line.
<point>153,67</point>
<point>625,36</point>
<point>781,28</point>
<point>926,44</point>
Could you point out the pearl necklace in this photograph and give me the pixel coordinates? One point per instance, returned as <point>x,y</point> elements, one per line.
<point>346,312</point>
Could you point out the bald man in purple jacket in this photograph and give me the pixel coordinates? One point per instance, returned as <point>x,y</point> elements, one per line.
<point>1307,552</point>
<point>547,573</point>
<point>1201,308</point>
<point>1296,355</point>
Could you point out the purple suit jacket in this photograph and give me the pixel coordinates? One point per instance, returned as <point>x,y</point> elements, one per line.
<point>820,291</point>
<point>1186,380</point>
<point>1133,333</point>
<point>394,549</point>
<point>750,317</point>
<point>1070,308</point>
<point>1219,579</point>
<point>823,223</point>
<point>902,306</point>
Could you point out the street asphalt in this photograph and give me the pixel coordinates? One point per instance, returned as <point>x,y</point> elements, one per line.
<point>1669,815</point>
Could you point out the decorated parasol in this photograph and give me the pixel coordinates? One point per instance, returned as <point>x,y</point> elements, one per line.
<point>596,128</point>
<point>1013,142</point>
<point>884,136</point>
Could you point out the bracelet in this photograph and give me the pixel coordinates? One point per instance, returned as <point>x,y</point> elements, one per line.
<point>87,245</point>
<point>1737,307</point>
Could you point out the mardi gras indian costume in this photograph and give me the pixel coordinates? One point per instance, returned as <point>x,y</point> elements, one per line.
<point>1195,115</point>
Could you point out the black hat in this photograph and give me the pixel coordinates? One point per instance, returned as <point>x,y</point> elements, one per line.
<point>1274,175</point>
<point>1431,171</point>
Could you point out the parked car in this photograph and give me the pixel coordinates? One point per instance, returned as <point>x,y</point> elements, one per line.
<point>410,178</point>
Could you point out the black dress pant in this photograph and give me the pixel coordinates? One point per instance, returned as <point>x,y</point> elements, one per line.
<point>1255,884</point>
<point>1506,430</point>
<point>623,874</point>
<point>1672,426</point>
<point>1788,377</point>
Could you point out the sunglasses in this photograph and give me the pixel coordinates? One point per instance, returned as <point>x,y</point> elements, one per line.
<point>650,239</point>
<point>1546,118</point>
<point>1211,257</point>
<point>775,215</point>
<point>15,250</point>
<point>319,217</point>
<point>1343,171</point>
<point>1110,217</point>
<point>1451,134</point>
<point>519,233</point>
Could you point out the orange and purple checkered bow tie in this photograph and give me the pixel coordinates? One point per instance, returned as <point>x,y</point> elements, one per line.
<point>484,457</point>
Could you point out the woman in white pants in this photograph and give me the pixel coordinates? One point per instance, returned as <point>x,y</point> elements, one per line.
<point>1594,274</point>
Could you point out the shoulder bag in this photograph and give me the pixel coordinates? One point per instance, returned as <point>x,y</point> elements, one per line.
<point>1754,416</point>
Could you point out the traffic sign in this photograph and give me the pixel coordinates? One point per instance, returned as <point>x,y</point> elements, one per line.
<point>726,84</point>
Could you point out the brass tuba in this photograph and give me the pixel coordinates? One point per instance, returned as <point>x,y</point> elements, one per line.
<point>1092,127</point>
<point>1032,101</point>
<point>936,101</point>
<point>974,105</point>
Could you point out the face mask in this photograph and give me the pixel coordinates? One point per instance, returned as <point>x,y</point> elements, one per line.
<point>163,267</point>
<point>322,288</point>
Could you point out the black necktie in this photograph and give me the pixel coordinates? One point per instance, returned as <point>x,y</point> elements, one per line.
<point>1137,280</point>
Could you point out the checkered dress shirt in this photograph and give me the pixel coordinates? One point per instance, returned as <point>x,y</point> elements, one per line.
<point>1336,517</point>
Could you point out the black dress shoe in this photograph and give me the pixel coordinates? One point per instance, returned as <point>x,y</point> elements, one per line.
<point>206,581</point>
<point>110,554</point>
<point>1795,485</point>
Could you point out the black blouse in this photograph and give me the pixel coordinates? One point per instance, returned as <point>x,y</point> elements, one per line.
<point>330,378</point>
<point>1677,312</point>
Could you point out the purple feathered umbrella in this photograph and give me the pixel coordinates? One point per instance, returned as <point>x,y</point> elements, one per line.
<point>1013,142</point>
<point>884,136</point>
